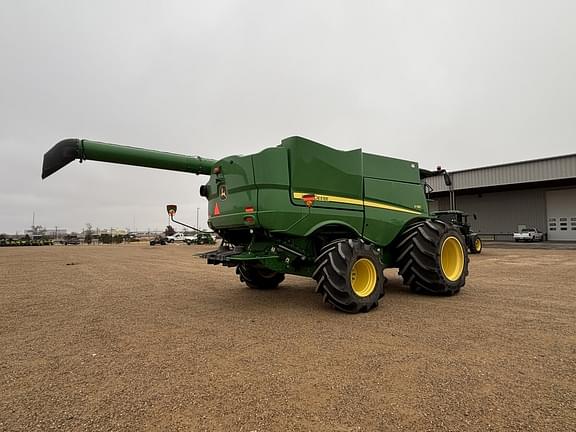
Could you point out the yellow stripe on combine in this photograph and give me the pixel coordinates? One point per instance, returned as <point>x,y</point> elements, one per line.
<point>390,207</point>
<point>353,201</point>
<point>329,198</point>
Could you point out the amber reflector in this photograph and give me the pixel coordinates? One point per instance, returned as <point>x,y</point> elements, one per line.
<point>309,199</point>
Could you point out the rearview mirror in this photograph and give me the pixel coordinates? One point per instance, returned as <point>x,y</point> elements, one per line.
<point>171,209</point>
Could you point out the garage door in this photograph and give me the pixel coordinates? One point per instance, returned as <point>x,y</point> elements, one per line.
<point>561,211</point>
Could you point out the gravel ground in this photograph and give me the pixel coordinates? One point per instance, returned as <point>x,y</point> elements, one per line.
<point>151,339</point>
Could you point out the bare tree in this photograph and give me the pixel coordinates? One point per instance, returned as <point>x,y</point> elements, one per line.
<point>88,234</point>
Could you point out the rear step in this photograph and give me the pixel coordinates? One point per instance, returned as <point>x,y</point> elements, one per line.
<point>222,255</point>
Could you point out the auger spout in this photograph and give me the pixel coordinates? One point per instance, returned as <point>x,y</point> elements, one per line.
<point>73,148</point>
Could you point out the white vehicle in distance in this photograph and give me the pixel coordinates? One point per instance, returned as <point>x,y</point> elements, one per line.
<point>179,237</point>
<point>528,234</point>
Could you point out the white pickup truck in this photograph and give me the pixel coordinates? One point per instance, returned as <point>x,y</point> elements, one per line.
<point>179,237</point>
<point>528,234</point>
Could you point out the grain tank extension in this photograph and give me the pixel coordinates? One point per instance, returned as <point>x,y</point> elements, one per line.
<point>340,217</point>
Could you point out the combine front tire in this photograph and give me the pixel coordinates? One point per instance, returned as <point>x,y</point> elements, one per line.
<point>259,277</point>
<point>349,275</point>
<point>432,258</point>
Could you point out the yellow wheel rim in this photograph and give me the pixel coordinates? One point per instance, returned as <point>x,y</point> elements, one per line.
<point>452,258</point>
<point>363,277</point>
<point>478,245</point>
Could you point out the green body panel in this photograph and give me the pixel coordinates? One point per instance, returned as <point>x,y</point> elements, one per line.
<point>233,190</point>
<point>386,168</point>
<point>323,170</point>
<point>381,225</point>
<point>104,152</point>
<point>272,176</point>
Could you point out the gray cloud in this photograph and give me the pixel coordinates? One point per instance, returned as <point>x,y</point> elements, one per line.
<point>456,83</point>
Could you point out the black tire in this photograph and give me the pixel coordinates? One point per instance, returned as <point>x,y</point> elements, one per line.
<point>256,277</point>
<point>419,258</point>
<point>337,270</point>
<point>475,245</point>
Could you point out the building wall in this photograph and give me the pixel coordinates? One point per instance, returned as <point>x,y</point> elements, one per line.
<point>501,212</point>
<point>561,167</point>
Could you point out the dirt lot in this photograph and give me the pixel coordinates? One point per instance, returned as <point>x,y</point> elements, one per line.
<point>149,338</point>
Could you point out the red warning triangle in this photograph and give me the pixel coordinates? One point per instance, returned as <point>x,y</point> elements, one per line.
<point>216,210</point>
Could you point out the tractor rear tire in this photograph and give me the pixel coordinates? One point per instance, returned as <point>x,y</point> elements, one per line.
<point>475,245</point>
<point>259,277</point>
<point>432,258</point>
<point>349,275</point>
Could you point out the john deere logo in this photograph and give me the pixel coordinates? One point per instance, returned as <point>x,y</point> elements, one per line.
<point>222,192</point>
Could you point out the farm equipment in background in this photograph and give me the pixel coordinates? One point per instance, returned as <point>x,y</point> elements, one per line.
<point>71,240</point>
<point>456,217</point>
<point>306,209</point>
<point>460,220</point>
<point>202,239</point>
<point>25,241</point>
<point>158,240</point>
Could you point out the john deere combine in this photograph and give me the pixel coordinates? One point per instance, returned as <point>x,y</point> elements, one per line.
<point>303,208</point>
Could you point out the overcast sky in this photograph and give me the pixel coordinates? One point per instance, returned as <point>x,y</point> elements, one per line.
<point>457,83</point>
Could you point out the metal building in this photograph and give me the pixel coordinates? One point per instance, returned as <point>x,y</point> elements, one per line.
<point>538,193</point>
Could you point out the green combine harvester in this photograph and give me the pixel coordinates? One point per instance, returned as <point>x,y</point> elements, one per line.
<point>302,208</point>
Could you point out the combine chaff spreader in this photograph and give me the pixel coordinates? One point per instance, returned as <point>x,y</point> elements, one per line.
<point>340,217</point>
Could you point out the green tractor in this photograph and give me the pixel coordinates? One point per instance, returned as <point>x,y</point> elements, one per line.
<point>460,220</point>
<point>158,240</point>
<point>201,238</point>
<point>302,208</point>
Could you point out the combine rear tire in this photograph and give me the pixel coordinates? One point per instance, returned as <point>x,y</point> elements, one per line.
<point>475,245</point>
<point>259,277</point>
<point>432,258</point>
<point>349,275</point>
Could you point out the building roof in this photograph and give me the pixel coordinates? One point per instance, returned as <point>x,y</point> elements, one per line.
<point>514,173</point>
